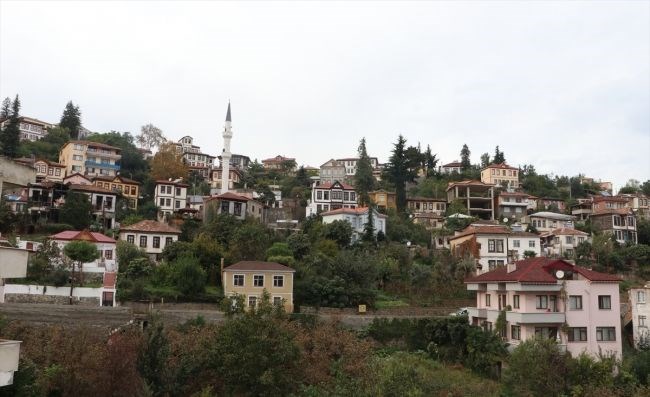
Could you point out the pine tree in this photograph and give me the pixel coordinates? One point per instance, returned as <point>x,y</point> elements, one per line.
<point>364,181</point>
<point>71,119</point>
<point>464,158</point>
<point>430,162</point>
<point>400,170</point>
<point>499,157</point>
<point>5,111</point>
<point>485,160</point>
<point>10,136</point>
<point>369,227</point>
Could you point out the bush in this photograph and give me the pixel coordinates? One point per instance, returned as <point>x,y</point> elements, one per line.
<point>189,277</point>
<point>54,228</point>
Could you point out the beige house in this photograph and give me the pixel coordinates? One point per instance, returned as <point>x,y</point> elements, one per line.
<point>500,174</point>
<point>251,278</point>
<point>90,158</point>
<point>151,236</point>
<point>128,187</point>
<point>45,170</point>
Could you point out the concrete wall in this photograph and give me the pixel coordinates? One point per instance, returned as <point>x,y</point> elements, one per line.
<point>13,262</point>
<point>21,293</point>
<point>14,175</point>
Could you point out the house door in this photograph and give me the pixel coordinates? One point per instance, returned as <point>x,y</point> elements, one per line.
<point>107,298</point>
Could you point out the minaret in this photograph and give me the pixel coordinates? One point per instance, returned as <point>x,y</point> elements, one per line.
<point>225,155</point>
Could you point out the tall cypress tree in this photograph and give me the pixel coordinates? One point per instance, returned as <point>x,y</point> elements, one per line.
<point>5,110</point>
<point>369,227</point>
<point>364,181</point>
<point>399,171</point>
<point>71,119</point>
<point>499,157</point>
<point>10,135</point>
<point>464,158</point>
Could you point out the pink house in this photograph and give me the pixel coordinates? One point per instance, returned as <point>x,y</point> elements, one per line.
<point>551,298</point>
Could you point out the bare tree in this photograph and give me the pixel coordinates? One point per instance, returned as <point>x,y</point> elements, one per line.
<point>150,137</point>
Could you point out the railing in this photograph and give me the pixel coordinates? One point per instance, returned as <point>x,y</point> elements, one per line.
<point>102,165</point>
<point>536,317</point>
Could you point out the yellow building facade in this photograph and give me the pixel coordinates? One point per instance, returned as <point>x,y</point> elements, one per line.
<point>251,279</point>
<point>383,199</point>
<point>129,188</point>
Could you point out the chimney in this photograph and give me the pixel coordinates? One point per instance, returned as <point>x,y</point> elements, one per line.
<point>511,267</point>
<point>221,274</point>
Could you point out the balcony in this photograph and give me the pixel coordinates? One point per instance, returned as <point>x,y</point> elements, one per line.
<point>476,312</point>
<point>102,165</point>
<point>94,152</point>
<point>536,317</point>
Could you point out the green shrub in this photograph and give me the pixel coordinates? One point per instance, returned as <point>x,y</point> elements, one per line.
<point>189,277</point>
<point>54,228</point>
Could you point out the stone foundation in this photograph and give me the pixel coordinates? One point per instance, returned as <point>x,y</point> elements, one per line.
<point>56,300</point>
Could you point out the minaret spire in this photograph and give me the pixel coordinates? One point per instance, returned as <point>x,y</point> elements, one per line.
<point>225,155</point>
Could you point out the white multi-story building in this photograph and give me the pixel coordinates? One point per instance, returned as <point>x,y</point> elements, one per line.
<point>350,165</point>
<point>562,242</point>
<point>520,242</point>
<point>170,197</point>
<point>550,298</point>
<point>640,313</point>
<point>332,171</point>
<point>151,236</point>
<point>30,129</point>
<point>357,217</point>
<point>549,221</point>
<point>107,261</point>
<point>331,196</point>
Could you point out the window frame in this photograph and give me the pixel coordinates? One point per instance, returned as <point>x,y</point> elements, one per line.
<point>603,334</point>
<point>515,301</point>
<point>577,299</point>
<point>280,278</point>
<point>539,300</point>
<point>256,278</point>
<point>580,331</point>
<point>602,299</point>
<point>236,277</point>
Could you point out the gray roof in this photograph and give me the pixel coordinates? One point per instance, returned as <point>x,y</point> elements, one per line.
<point>553,215</point>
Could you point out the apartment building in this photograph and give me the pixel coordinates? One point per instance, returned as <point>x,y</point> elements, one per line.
<point>90,158</point>
<point>562,242</point>
<point>427,211</point>
<point>30,129</point>
<point>128,188</point>
<point>476,196</point>
<point>357,218</point>
<point>501,175</point>
<point>234,177</point>
<point>151,236</point>
<point>170,197</point>
<point>639,203</point>
<point>620,222</point>
<point>332,171</point>
<point>551,298</point>
<point>549,221</point>
<point>350,165</point>
<point>639,299</point>
<point>250,279</point>
<point>512,205</point>
<point>331,196</point>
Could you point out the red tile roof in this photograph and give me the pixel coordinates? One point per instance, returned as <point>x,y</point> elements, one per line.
<point>540,271</point>
<point>231,196</point>
<point>501,166</point>
<point>351,211</point>
<point>84,235</point>
<point>259,266</point>
<point>476,229</point>
<point>112,178</point>
<point>150,226</point>
<point>91,188</point>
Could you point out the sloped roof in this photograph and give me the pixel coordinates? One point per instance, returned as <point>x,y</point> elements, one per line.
<point>540,271</point>
<point>91,188</point>
<point>453,164</point>
<point>553,215</point>
<point>83,235</point>
<point>150,226</point>
<point>469,183</point>
<point>165,182</point>
<point>501,166</point>
<point>232,196</point>
<point>480,229</point>
<point>112,178</point>
<point>91,143</point>
<point>329,185</point>
<point>259,266</point>
<point>565,231</point>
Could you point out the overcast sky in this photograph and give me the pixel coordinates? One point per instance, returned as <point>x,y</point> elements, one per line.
<point>562,85</point>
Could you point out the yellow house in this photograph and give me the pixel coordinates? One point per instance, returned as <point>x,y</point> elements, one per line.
<point>129,188</point>
<point>384,199</point>
<point>251,278</point>
<point>501,174</point>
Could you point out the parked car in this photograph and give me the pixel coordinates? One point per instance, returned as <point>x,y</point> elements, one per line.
<point>460,312</point>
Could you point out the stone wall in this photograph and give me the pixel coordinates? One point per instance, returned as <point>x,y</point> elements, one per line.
<point>57,300</point>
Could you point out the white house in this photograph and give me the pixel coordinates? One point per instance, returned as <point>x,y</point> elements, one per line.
<point>548,221</point>
<point>170,197</point>
<point>562,242</point>
<point>520,242</point>
<point>331,196</point>
<point>107,261</point>
<point>640,310</point>
<point>151,236</point>
<point>357,217</point>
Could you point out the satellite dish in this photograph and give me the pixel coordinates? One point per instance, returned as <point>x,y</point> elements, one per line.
<point>505,220</point>
<point>559,274</point>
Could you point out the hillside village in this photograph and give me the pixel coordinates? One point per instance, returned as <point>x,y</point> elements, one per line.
<point>109,219</point>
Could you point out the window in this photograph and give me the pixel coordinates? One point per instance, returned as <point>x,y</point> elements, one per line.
<point>542,302</point>
<point>487,299</point>
<point>162,202</point>
<point>156,242</point>
<point>258,280</point>
<point>178,191</point>
<point>353,196</point>
<point>642,321</point>
<point>605,334</point>
<point>278,281</point>
<point>515,243</point>
<point>143,241</point>
<point>168,202</point>
<point>546,332</point>
<point>162,189</point>
<point>617,220</point>
<point>640,296</point>
<point>326,195</point>
<point>577,334</point>
<point>531,244</point>
<point>252,301</point>
<point>568,239</point>
<point>492,264</point>
<point>604,302</point>
<point>130,238</point>
<point>169,190</point>
<point>515,332</point>
<point>108,254</point>
<point>178,204</point>
<point>133,192</point>
<point>575,302</point>
<point>57,172</point>
<point>319,195</point>
<point>238,280</point>
<point>277,301</point>
<point>495,245</point>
